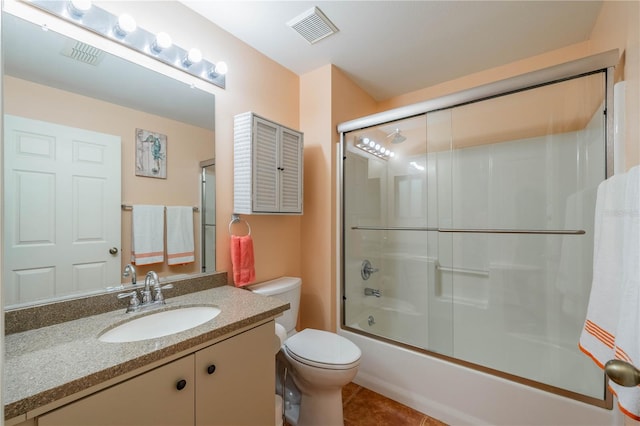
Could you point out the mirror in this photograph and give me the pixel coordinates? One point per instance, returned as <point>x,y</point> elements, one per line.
<point>50,78</point>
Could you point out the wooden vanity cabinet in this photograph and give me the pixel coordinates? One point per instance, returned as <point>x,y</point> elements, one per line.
<point>151,399</point>
<point>229,383</point>
<point>235,380</point>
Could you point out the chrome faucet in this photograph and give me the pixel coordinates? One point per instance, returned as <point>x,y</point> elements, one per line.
<point>372,292</point>
<point>130,270</point>
<point>146,291</point>
<point>148,299</point>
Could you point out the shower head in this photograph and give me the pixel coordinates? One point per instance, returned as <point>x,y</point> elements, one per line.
<point>397,137</point>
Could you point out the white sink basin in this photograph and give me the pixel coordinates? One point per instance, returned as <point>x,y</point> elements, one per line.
<point>160,324</point>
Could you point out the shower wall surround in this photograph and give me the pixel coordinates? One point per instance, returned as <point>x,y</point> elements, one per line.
<point>481,229</point>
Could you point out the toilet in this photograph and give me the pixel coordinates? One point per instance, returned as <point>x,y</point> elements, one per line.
<point>320,362</point>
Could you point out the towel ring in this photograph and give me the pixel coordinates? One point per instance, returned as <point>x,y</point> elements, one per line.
<point>235,219</point>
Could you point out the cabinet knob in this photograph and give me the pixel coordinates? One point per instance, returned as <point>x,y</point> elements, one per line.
<point>211,369</point>
<point>181,384</point>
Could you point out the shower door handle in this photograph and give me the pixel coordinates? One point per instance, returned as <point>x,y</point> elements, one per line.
<point>366,270</point>
<point>622,373</point>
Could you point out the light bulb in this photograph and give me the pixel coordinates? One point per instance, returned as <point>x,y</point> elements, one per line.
<point>377,147</point>
<point>162,41</point>
<point>372,144</point>
<point>221,68</point>
<point>393,154</point>
<point>365,141</point>
<point>77,8</point>
<point>126,24</point>
<point>193,57</point>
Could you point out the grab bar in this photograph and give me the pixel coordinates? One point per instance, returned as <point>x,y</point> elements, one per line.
<point>474,231</point>
<point>480,272</point>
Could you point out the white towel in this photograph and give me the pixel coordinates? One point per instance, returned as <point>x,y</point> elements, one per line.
<point>180,235</point>
<point>147,239</point>
<point>612,326</point>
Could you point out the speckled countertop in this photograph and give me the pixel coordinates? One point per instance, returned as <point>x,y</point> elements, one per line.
<point>46,364</point>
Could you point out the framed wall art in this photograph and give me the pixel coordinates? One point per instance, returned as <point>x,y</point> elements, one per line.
<point>151,154</point>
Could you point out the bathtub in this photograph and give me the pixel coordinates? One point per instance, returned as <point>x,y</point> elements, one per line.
<point>458,395</point>
<point>394,319</point>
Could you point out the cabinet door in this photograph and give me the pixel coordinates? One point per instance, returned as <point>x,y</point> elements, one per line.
<point>236,380</point>
<point>291,161</point>
<point>151,399</point>
<point>266,165</point>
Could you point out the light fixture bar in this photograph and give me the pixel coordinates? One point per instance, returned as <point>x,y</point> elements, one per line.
<point>105,24</point>
<point>372,147</point>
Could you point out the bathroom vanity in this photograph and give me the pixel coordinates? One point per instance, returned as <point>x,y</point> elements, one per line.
<point>64,375</point>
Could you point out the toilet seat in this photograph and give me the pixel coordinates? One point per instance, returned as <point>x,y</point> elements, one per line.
<point>322,349</point>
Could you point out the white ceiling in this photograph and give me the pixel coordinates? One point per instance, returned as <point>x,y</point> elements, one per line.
<point>393,47</point>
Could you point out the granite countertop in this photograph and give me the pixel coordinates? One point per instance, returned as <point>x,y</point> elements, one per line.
<point>46,364</point>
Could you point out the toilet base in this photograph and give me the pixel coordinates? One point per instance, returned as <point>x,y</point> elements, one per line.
<point>323,409</point>
<point>315,412</point>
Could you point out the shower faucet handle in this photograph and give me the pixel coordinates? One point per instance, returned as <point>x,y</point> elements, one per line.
<point>366,270</point>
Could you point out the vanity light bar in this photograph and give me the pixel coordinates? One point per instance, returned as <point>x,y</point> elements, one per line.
<point>124,30</point>
<point>374,148</point>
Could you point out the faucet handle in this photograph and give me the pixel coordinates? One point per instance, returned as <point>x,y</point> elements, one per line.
<point>159,297</point>
<point>134,302</point>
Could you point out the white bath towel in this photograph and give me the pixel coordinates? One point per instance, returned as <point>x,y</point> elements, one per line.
<point>612,326</point>
<point>180,248</point>
<point>147,235</point>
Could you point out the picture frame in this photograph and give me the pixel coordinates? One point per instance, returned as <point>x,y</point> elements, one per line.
<point>151,154</point>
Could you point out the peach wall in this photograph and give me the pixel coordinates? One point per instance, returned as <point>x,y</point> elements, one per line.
<point>618,26</point>
<point>254,83</point>
<point>523,66</point>
<point>316,307</point>
<point>327,97</point>
<point>186,146</point>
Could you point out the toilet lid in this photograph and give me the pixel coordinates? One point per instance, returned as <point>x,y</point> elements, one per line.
<point>322,349</point>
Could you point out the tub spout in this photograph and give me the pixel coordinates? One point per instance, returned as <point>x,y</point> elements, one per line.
<point>372,292</point>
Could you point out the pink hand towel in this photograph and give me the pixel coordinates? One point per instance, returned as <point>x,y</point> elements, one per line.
<point>242,260</point>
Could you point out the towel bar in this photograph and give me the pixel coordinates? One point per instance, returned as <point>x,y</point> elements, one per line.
<point>130,207</point>
<point>474,231</point>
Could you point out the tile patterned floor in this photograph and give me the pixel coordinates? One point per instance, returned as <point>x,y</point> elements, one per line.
<point>363,407</point>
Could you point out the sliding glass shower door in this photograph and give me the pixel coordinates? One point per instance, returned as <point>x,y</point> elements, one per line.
<point>468,232</point>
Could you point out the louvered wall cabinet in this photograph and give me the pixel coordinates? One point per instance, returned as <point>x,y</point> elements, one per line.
<point>267,166</point>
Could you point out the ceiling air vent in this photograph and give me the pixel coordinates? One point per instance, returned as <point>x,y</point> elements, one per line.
<point>313,25</point>
<point>83,52</point>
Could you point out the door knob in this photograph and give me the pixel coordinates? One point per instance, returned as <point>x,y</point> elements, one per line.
<point>113,250</point>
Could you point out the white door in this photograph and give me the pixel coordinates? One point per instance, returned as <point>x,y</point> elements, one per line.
<point>61,210</point>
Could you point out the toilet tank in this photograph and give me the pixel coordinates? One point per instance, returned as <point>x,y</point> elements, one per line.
<point>288,290</point>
